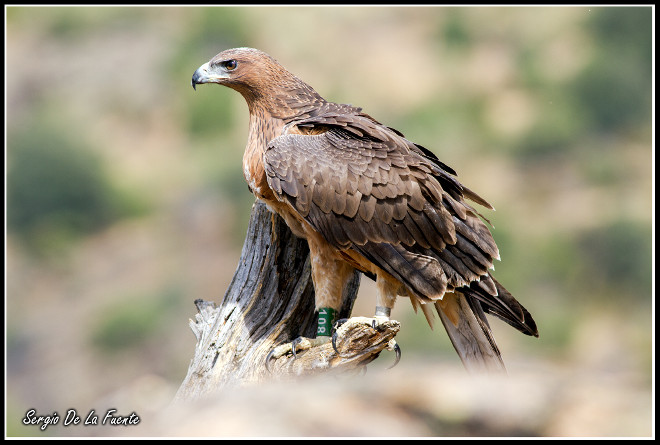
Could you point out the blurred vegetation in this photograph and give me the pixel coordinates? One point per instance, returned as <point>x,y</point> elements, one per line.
<point>124,328</point>
<point>58,189</point>
<point>618,250</point>
<point>613,89</point>
<point>546,112</point>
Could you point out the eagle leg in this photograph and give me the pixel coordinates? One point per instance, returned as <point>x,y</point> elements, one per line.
<point>387,289</point>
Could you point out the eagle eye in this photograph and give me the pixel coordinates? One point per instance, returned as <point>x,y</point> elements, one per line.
<point>229,65</point>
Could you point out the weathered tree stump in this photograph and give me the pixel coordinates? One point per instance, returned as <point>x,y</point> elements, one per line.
<point>270,301</point>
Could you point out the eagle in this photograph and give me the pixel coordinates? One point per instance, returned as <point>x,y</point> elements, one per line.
<point>365,197</point>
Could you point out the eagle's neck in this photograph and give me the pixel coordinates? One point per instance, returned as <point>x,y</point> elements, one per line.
<point>263,128</point>
<point>286,97</point>
<point>268,116</point>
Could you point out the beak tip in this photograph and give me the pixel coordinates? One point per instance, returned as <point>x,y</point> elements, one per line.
<point>196,79</point>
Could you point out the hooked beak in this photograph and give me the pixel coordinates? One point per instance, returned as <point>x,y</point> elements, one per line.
<point>205,74</point>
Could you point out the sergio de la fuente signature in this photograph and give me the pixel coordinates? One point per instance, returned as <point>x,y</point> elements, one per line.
<point>72,418</point>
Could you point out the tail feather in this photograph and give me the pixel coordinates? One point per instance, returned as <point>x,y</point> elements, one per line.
<point>469,332</point>
<point>502,305</point>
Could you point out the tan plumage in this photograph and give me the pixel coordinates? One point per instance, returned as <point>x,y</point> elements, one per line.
<point>365,197</point>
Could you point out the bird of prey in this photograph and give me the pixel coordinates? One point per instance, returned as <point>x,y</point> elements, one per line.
<point>365,197</point>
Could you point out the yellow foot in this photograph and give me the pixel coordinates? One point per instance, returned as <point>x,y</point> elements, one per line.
<point>297,345</point>
<point>377,323</point>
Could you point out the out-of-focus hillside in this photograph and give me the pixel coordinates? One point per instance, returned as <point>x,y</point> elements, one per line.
<point>126,202</point>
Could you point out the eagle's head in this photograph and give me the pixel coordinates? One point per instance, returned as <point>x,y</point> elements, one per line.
<point>238,68</point>
<point>263,82</point>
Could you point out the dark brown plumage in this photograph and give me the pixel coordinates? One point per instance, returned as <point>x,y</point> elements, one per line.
<point>365,197</point>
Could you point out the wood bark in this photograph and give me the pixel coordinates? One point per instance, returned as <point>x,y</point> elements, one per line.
<point>270,301</point>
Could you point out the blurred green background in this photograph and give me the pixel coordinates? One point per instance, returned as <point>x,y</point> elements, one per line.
<point>126,201</point>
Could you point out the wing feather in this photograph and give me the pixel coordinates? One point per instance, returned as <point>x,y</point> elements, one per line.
<point>364,186</point>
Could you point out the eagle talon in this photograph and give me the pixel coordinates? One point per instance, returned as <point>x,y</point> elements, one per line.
<point>397,351</point>
<point>294,344</point>
<point>269,357</point>
<point>336,326</point>
<point>338,323</point>
<point>334,343</point>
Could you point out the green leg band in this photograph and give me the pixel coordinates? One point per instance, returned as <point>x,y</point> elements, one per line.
<point>327,317</point>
